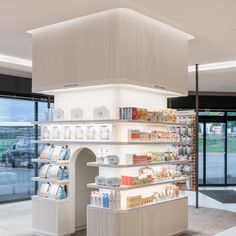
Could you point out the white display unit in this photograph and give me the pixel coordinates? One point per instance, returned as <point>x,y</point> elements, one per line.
<point>82,165</point>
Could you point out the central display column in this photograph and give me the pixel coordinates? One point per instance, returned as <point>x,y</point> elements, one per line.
<point>104,67</point>
<point>151,217</point>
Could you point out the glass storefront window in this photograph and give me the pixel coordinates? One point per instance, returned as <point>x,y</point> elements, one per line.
<point>42,108</point>
<point>231,113</point>
<point>231,152</point>
<point>215,153</point>
<point>211,113</point>
<point>17,148</point>
<point>200,152</point>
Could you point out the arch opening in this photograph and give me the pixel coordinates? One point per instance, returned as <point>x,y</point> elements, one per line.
<point>83,175</point>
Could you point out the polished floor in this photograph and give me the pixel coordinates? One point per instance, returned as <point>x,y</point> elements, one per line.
<point>15,220</point>
<point>205,201</point>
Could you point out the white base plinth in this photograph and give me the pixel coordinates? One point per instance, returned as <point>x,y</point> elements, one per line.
<point>48,217</point>
<point>164,219</point>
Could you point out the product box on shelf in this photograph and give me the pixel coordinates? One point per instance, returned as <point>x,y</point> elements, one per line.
<point>152,136</point>
<point>161,115</point>
<point>167,192</point>
<point>83,132</point>
<point>52,191</point>
<point>55,153</point>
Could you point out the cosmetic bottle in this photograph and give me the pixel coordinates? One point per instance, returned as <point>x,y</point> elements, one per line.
<point>99,200</point>
<point>118,197</point>
<point>112,200</point>
<point>103,200</point>
<point>107,200</point>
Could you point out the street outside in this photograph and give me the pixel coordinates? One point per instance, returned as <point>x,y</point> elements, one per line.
<point>15,183</point>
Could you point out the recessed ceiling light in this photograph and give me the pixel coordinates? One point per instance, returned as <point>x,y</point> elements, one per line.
<point>15,60</point>
<point>214,66</point>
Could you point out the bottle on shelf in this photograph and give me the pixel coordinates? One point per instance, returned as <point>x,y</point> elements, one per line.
<point>112,200</point>
<point>117,199</point>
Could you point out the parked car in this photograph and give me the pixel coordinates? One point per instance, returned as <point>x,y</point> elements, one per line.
<point>20,154</point>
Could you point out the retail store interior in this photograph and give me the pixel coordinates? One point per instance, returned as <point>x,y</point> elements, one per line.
<point>117,118</point>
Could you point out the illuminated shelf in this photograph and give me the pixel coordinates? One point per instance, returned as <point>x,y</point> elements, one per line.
<point>127,187</point>
<point>54,181</point>
<point>176,162</point>
<point>56,162</point>
<point>61,122</point>
<point>134,208</point>
<point>64,142</point>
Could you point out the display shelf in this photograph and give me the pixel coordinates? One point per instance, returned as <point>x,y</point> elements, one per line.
<point>64,142</point>
<point>56,162</point>
<point>189,118</point>
<point>54,181</point>
<point>128,187</point>
<point>106,122</point>
<point>135,208</point>
<point>36,197</point>
<point>176,162</point>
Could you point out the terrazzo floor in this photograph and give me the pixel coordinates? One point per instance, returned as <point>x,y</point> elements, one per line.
<point>15,220</point>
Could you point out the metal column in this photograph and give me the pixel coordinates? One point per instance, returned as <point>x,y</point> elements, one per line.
<point>197,156</point>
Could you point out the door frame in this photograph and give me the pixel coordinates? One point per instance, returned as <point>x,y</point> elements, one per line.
<point>214,119</point>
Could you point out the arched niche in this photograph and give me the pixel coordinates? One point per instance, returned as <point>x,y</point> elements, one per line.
<point>80,176</point>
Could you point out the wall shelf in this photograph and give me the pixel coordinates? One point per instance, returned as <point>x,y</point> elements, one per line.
<point>176,162</point>
<point>54,181</point>
<point>65,142</point>
<point>72,122</point>
<point>127,187</point>
<point>56,162</point>
<point>35,197</point>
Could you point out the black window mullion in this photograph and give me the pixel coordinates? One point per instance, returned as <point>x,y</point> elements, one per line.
<point>226,153</point>
<point>204,153</point>
<point>36,145</point>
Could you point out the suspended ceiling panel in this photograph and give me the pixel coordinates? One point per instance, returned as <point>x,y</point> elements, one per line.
<point>213,23</point>
<point>118,46</point>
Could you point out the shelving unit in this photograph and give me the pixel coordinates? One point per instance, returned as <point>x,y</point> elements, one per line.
<point>100,214</point>
<point>191,124</point>
<point>48,214</point>
<point>121,147</point>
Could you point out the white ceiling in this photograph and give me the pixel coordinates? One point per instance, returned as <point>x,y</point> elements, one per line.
<point>212,22</point>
